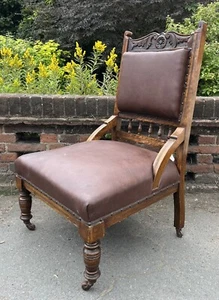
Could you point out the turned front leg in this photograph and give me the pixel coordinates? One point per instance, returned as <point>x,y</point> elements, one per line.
<point>25,202</point>
<point>92,253</point>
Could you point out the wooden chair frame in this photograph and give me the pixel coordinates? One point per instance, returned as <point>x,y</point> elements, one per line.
<point>177,143</point>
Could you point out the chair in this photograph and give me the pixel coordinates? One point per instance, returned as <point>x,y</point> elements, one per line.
<point>100,182</point>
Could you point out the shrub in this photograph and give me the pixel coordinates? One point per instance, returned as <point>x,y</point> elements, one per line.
<point>81,73</point>
<point>38,68</point>
<point>209,77</point>
<point>22,64</point>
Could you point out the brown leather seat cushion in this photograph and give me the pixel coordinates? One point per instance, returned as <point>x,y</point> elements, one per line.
<point>94,179</point>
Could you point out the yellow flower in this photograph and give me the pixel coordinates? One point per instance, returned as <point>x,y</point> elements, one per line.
<point>26,54</point>
<point>110,62</point>
<point>99,47</point>
<point>42,71</point>
<point>6,52</point>
<point>15,62</point>
<point>29,58</point>
<point>30,77</point>
<point>70,66</point>
<point>79,53</point>
<point>54,66</point>
<point>111,59</point>
<point>116,68</point>
<point>71,74</point>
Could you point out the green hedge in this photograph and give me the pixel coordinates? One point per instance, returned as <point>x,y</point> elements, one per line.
<point>209,78</point>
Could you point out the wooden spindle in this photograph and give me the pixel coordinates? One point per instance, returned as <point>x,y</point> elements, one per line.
<point>139,128</point>
<point>130,126</point>
<point>150,129</point>
<point>159,133</point>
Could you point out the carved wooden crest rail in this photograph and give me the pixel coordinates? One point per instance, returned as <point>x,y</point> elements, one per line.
<point>156,41</point>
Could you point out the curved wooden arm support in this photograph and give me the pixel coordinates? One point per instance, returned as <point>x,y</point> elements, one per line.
<point>104,128</point>
<point>162,158</point>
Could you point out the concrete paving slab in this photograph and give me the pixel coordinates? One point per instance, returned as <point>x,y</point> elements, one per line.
<point>141,257</point>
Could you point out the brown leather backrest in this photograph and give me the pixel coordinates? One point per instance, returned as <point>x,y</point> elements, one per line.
<point>152,83</point>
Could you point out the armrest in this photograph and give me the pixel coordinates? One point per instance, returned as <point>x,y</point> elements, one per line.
<point>163,156</point>
<point>104,128</point>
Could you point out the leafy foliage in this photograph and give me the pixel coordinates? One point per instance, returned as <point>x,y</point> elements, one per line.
<point>10,15</point>
<point>22,62</point>
<point>38,68</point>
<point>209,78</point>
<point>68,21</point>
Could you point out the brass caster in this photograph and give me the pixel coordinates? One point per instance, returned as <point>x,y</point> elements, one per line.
<point>179,232</point>
<point>30,226</point>
<point>86,285</point>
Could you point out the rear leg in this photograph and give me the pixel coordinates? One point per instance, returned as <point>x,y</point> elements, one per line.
<point>179,210</point>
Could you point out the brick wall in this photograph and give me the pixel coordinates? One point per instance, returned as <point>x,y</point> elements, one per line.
<point>203,154</point>
<point>30,123</point>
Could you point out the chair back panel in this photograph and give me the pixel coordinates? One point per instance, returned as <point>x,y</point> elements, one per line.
<point>157,87</point>
<point>152,83</point>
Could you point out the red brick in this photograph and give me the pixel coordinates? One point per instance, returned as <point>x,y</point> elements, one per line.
<point>207,139</point>
<point>25,147</point>
<point>7,138</point>
<point>48,138</point>
<point>204,149</point>
<point>2,148</point>
<point>69,138</point>
<point>204,158</point>
<point>204,168</point>
<point>5,157</point>
<point>55,146</point>
<point>216,168</point>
